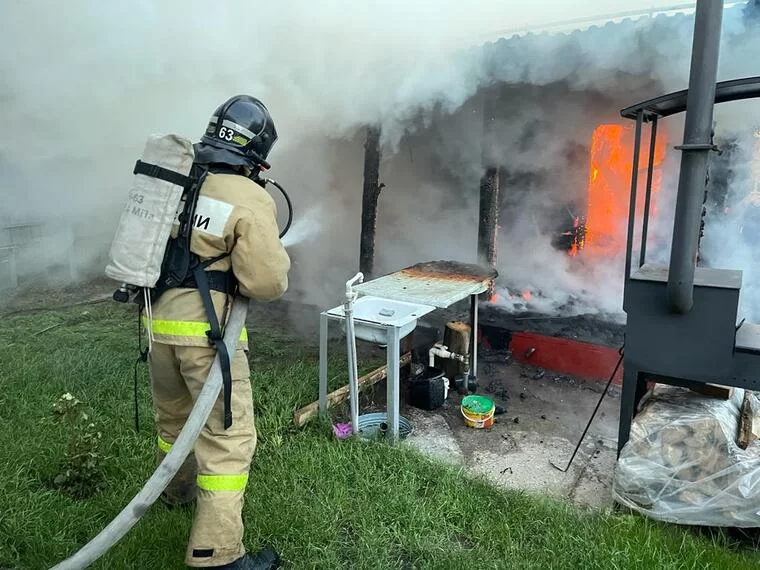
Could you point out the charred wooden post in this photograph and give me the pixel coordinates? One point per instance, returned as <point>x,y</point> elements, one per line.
<point>488,218</point>
<point>371,193</point>
<point>456,337</point>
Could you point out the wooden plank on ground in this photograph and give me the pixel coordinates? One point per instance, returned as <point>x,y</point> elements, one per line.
<point>341,394</point>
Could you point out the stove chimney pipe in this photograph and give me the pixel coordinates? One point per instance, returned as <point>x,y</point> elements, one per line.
<point>696,147</point>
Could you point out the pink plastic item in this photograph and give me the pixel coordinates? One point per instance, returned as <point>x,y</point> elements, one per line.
<point>342,431</point>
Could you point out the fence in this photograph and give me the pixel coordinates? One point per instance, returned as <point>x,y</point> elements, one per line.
<point>52,253</point>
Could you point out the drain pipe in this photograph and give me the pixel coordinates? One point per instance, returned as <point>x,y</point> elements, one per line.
<point>353,372</point>
<point>696,147</point>
<point>442,351</point>
<point>168,468</point>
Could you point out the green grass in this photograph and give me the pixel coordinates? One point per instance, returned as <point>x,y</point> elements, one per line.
<point>321,503</point>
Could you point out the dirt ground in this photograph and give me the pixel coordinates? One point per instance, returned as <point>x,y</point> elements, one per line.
<point>544,416</point>
<point>543,420</point>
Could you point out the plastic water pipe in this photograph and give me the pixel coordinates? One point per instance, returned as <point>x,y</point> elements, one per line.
<point>353,364</point>
<point>442,351</point>
<point>168,468</point>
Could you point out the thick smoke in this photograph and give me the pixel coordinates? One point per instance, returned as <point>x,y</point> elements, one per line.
<point>732,228</point>
<point>83,91</point>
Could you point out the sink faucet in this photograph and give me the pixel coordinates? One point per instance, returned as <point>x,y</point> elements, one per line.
<point>350,293</point>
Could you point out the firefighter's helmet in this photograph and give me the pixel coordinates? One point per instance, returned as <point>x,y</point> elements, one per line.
<point>240,133</point>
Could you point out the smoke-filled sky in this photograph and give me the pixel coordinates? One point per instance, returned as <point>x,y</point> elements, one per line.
<point>84,83</point>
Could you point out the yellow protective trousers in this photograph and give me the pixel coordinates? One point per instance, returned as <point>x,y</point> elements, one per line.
<point>218,473</point>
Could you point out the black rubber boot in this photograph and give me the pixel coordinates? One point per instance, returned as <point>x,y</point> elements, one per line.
<point>266,559</point>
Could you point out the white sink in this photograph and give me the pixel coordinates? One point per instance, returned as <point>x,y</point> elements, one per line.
<point>374,316</point>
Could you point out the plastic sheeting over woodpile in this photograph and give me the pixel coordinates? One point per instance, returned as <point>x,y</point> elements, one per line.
<point>682,463</point>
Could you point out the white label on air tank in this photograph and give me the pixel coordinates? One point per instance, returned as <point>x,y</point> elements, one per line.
<point>211,216</point>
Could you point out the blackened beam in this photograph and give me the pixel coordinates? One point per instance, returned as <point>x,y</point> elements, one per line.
<point>370,195</point>
<point>488,218</point>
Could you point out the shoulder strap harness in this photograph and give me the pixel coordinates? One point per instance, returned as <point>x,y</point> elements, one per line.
<point>183,268</point>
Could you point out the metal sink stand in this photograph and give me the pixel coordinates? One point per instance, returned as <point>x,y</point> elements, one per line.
<point>392,359</point>
<point>437,291</point>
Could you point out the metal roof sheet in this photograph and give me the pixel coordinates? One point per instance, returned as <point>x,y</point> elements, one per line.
<point>436,283</point>
<point>531,57</point>
<point>613,22</point>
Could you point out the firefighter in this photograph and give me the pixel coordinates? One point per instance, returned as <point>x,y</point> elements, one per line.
<point>234,215</point>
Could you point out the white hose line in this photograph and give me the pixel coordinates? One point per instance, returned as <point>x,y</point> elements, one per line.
<point>168,468</point>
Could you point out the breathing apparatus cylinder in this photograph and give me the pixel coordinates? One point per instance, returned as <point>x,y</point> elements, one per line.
<point>154,202</point>
<point>141,237</point>
<point>168,468</point>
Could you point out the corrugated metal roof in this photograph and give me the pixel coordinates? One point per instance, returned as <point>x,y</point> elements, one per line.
<point>436,283</point>
<point>604,22</point>
<point>630,46</point>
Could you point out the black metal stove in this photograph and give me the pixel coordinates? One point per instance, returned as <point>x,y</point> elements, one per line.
<point>682,320</point>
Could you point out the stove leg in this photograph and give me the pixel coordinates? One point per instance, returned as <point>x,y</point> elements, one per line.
<point>323,331</point>
<point>392,405</point>
<point>634,388</point>
<point>474,336</point>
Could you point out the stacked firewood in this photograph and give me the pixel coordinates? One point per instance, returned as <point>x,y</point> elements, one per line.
<point>684,461</point>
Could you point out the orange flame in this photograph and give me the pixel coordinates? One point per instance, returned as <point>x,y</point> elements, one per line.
<point>609,186</point>
<point>578,238</point>
<point>527,295</point>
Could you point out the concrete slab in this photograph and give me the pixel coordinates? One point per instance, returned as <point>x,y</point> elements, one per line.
<point>433,437</point>
<point>525,465</point>
<point>545,415</point>
<point>594,486</point>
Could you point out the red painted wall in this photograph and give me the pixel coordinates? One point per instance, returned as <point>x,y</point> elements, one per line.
<point>564,356</point>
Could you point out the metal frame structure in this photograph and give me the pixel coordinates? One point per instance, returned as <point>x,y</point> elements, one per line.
<point>652,111</point>
<point>393,356</point>
<point>671,344</point>
<point>681,319</point>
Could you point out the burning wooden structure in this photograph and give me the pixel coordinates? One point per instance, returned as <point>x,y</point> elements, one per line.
<point>589,177</point>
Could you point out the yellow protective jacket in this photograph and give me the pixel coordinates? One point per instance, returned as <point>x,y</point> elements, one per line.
<point>238,216</point>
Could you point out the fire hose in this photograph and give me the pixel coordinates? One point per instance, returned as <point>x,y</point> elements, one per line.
<point>287,202</point>
<point>168,468</point>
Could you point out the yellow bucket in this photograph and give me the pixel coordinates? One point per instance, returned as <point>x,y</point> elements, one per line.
<point>477,411</point>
